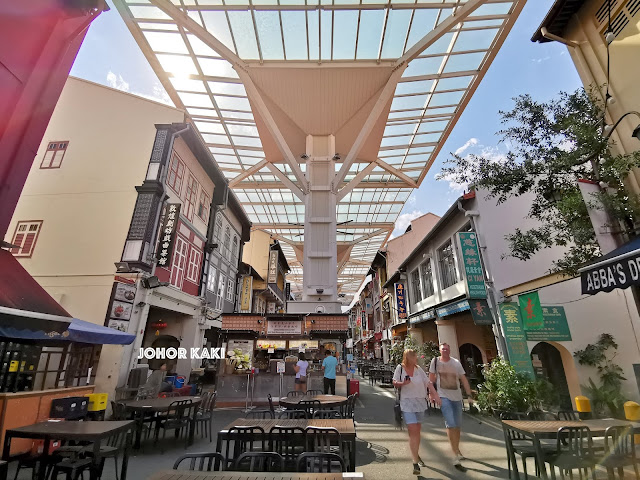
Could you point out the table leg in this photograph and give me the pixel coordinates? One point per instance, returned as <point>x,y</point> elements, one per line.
<point>541,460</point>
<point>192,426</point>
<point>95,464</point>
<point>139,419</point>
<point>42,464</point>
<point>352,455</point>
<point>125,456</point>
<point>6,451</point>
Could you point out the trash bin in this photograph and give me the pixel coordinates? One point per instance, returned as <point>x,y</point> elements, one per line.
<point>632,412</point>
<point>354,387</point>
<point>583,405</point>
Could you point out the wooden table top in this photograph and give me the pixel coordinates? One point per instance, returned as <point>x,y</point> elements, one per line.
<point>323,399</point>
<point>345,426</point>
<point>157,404</point>
<point>190,475</point>
<point>71,430</point>
<point>597,427</point>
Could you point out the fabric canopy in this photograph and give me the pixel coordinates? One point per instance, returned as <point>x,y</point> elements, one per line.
<point>78,331</point>
<point>619,268</point>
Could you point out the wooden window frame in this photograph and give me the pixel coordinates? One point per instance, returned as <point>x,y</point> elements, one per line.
<point>55,148</point>
<point>426,278</point>
<point>17,252</point>
<point>193,266</point>
<point>212,277</point>
<point>229,290</point>
<point>190,194</point>
<point>176,185</point>
<point>234,249</point>
<point>222,280</point>
<point>204,205</point>
<point>178,272</point>
<point>447,265</point>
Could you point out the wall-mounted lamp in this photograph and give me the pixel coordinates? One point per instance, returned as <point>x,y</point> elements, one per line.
<point>304,156</point>
<point>608,129</point>
<point>319,291</point>
<point>122,267</point>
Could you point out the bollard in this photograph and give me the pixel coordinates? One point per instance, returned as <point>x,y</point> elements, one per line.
<point>583,406</point>
<point>632,412</point>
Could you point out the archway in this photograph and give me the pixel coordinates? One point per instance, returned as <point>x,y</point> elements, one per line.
<point>547,364</point>
<point>164,341</point>
<point>471,359</point>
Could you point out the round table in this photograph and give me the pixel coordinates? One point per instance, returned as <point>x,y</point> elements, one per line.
<point>325,400</point>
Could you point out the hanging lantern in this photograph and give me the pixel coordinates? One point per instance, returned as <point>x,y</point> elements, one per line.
<point>159,325</point>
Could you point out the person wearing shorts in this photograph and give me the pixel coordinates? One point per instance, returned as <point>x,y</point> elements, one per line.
<point>414,386</point>
<point>449,373</point>
<point>301,373</point>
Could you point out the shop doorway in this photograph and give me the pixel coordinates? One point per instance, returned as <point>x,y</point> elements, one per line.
<point>547,364</point>
<point>471,359</point>
<point>164,341</point>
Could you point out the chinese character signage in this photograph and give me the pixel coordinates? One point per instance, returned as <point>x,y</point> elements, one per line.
<point>401,301</point>
<point>480,312</point>
<point>287,291</point>
<point>556,328</point>
<point>245,295</point>
<point>531,311</point>
<point>272,276</point>
<point>284,327</point>
<point>515,338</point>
<point>167,237</point>
<point>473,273</point>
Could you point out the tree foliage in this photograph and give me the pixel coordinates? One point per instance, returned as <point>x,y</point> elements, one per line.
<point>551,145</point>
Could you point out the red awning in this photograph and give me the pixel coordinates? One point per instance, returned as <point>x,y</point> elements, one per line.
<point>20,292</point>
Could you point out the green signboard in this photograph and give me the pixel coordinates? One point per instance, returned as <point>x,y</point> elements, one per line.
<point>474,276</point>
<point>480,312</point>
<point>515,338</point>
<point>531,311</point>
<point>556,328</point>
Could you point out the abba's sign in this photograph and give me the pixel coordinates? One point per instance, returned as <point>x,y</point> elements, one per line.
<point>617,273</point>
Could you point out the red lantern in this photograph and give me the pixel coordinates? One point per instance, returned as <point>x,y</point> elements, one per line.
<point>159,325</point>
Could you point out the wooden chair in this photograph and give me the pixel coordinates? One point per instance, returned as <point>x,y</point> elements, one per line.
<point>213,461</point>
<point>259,462</point>
<point>313,462</point>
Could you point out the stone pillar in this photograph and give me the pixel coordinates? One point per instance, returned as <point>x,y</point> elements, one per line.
<point>416,334</point>
<point>447,334</point>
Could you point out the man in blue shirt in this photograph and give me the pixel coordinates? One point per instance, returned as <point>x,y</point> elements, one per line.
<point>329,368</point>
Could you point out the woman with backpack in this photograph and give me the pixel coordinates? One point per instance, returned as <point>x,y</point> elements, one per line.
<point>414,387</point>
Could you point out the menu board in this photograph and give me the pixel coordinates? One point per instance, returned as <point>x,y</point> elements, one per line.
<point>307,344</point>
<point>284,327</point>
<point>265,344</point>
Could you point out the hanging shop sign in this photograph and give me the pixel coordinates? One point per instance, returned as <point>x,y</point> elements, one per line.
<point>452,308</point>
<point>556,328</point>
<point>287,291</point>
<point>284,327</point>
<point>245,295</point>
<point>168,227</point>
<point>272,276</point>
<point>120,306</point>
<point>620,268</point>
<point>515,338</point>
<point>423,316</point>
<point>265,344</point>
<point>307,344</point>
<point>473,273</point>
<point>401,301</point>
<point>368,306</point>
<point>480,312</point>
<point>531,311</point>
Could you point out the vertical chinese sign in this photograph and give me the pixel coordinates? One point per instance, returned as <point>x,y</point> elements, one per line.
<point>480,312</point>
<point>245,295</point>
<point>401,301</point>
<point>515,338</point>
<point>531,311</point>
<point>474,276</point>
<point>167,237</point>
<point>272,276</point>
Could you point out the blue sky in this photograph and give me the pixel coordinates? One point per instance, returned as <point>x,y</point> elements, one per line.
<point>110,56</point>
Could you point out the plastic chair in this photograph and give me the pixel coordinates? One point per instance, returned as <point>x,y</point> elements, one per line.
<point>178,417</point>
<point>241,439</point>
<point>114,446</point>
<point>620,451</point>
<point>73,468</point>
<point>259,462</point>
<point>313,462</point>
<point>204,415</point>
<point>213,461</point>
<point>348,410</point>
<point>574,451</point>
<point>521,445</point>
<point>293,414</point>
<point>288,442</point>
<point>323,439</point>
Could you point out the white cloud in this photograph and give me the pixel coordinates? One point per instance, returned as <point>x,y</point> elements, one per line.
<point>469,143</point>
<point>404,221</point>
<point>541,59</point>
<point>116,81</point>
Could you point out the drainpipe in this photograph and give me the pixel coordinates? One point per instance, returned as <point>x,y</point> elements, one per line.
<point>491,298</point>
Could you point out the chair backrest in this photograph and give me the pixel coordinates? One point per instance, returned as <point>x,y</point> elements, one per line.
<point>284,440</point>
<point>313,462</point>
<point>315,392</point>
<point>259,462</point>
<point>348,409</point>
<point>568,415</point>
<point>118,411</point>
<point>180,409</point>
<point>295,393</point>
<point>326,414</point>
<point>202,461</point>
<point>510,434</point>
<point>211,404</point>
<point>323,439</point>
<point>241,439</point>
<point>309,406</point>
<point>542,416</point>
<point>620,441</point>
<point>575,440</point>
<point>513,416</point>
<point>262,414</point>
<point>168,394</point>
<point>293,414</point>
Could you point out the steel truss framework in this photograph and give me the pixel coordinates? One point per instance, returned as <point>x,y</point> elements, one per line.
<point>210,54</point>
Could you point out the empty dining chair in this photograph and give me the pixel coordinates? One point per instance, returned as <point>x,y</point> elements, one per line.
<point>293,414</point>
<point>260,414</point>
<point>202,462</point>
<point>288,442</point>
<point>620,451</point>
<point>542,416</point>
<point>259,462</point>
<point>521,445</point>
<point>569,415</point>
<point>326,414</point>
<point>295,393</point>
<point>313,462</point>
<point>241,439</point>
<point>574,451</point>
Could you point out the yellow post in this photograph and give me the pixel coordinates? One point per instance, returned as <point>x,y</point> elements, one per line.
<point>583,405</point>
<point>632,412</point>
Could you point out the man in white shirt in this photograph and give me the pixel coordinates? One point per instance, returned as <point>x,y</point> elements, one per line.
<point>448,372</point>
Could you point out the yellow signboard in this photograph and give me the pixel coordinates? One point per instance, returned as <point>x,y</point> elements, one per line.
<point>245,295</point>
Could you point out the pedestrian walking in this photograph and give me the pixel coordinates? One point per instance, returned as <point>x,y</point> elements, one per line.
<point>414,386</point>
<point>449,373</point>
<point>301,373</point>
<point>329,368</point>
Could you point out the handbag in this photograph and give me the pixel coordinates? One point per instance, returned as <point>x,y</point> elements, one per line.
<point>397,410</point>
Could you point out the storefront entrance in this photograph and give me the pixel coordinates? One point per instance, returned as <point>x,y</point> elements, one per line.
<point>547,364</point>
<point>471,359</point>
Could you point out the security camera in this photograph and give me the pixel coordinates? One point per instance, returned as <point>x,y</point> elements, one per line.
<point>319,291</point>
<point>319,309</point>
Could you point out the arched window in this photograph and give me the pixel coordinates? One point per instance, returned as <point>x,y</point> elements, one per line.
<point>234,256</point>
<point>227,240</point>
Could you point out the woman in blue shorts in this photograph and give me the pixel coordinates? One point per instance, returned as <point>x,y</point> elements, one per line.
<point>414,386</point>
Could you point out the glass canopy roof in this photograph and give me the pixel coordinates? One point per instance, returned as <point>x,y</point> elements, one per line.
<point>431,95</point>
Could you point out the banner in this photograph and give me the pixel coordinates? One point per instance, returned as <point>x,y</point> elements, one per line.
<point>531,311</point>
<point>401,301</point>
<point>515,338</point>
<point>245,294</point>
<point>272,274</point>
<point>167,236</point>
<point>473,273</point>
<point>480,312</point>
<point>556,328</point>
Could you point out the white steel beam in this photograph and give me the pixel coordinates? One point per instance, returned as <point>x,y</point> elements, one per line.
<point>346,226</point>
<point>385,94</point>
<point>286,181</point>
<point>394,171</point>
<point>247,173</point>
<point>443,28</point>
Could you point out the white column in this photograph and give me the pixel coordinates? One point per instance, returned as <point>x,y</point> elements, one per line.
<point>447,334</point>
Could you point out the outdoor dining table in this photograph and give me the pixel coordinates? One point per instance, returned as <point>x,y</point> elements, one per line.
<point>548,429</point>
<point>345,426</point>
<point>326,401</point>
<point>155,406</point>
<point>86,431</point>
<point>191,475</point>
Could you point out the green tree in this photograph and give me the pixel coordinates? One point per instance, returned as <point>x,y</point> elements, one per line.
<point>551,145</point>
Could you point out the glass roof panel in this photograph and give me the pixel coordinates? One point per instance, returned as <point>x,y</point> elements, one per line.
<point>474,40</point>
<point>345,28</point>
<point>217,24</point>
<point>370,34</point>
<point>268,25</point>
<point>294,29</point>
<point>244,34</point>
<point>395,33</point>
